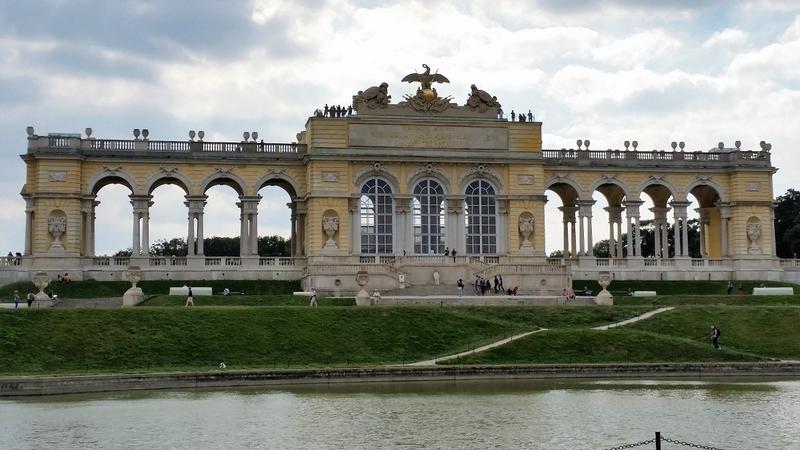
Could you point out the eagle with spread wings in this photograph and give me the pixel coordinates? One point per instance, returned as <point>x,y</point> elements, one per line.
<point>425,78</point>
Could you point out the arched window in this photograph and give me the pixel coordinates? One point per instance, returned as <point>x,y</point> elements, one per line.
<point>376,216</point>
<point>480,216</point>
<point>429,217</point>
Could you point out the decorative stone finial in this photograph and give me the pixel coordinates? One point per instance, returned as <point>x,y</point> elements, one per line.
<point>586,143</point>
<point>626,144</point>
<point>635,144</point>
<point>738,145</point>
<point>721,146</point>
<point>145,133</point>
<point>30,131</point>
<point>246,136</point>
<point>191,135</point>
<point>136,133</point>
<point>579,143</point>
<point>201,134</point>
<point>254,134</point>
<point>88,132</point>
<point>674,145</point>
<point>682,145</point>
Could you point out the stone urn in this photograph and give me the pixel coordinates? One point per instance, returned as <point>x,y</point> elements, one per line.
<point>330,225</point>
<point>362,297</point>
<point>604,297</point>
<point>41,300</point>
<point>56,226</point>
<point>526,229</point>
<point>134,295</point>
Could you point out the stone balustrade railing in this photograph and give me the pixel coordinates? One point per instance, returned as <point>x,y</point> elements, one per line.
<point>88,145</point>
<point>614,157</point>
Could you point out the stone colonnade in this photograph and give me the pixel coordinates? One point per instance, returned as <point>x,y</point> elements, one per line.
<point>248,206</point>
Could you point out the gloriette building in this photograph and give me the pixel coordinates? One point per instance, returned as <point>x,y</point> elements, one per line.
<point>386,189</point>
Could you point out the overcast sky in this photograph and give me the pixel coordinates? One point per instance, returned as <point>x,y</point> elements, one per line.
<point>700,71</point>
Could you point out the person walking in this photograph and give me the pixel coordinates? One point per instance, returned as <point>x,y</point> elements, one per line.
<point>729,288</point>
<point>477,285</point>
<point>715,333</point>
<point>15,297</point>
<point>313,301</point>
<point>500,280</point>
<point>460,285</point>
<point>189,298</point>
<point>30,297</point>
<point>496,285</point>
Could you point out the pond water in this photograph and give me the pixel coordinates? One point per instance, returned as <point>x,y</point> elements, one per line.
<point>746,414</point>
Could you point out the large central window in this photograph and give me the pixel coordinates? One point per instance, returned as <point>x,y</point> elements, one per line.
<point>480,211</point>
<point>376,216</point>
<point>429,217</point>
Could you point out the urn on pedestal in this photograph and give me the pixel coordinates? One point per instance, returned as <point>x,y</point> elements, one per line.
<point>134,295</point>
<point>604,297</point>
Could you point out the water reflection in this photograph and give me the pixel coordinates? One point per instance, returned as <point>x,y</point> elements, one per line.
<point>475,414</point>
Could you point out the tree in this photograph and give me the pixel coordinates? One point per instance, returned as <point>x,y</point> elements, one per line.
<point>600,249</point>
<point>274,246</point>
<point>173,247</point>
<point>557,254</point>
<point>787,224</point>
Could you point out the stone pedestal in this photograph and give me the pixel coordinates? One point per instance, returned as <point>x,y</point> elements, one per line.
<point>41,300</point>
<point>362,297</point>
<point>133,297</point>
<point>604,297</point>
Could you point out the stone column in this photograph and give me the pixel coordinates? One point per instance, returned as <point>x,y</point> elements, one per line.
<point>353,205</point>
<point>141,227</point>
<point>293,232</point>
<point>586,224</point>
<point>570,245</point>
<point>248,239</point>
<point>93,230</point>
<point>196,205</point>
<point>632,215</point>
<point>724,215</point>
<point>704,220</point>
<point>455,210</point>
<point>682,234</point>
<point>404,231</point>
<point>660,219</point>
<point>502,226</point>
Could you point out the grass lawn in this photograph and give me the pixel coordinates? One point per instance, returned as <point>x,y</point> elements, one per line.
<point>246,300</point>
<point>733,300</point>
<point>771,331</point>
<point>679,287</point>
<point>617,345</point>
<point>99,289</point>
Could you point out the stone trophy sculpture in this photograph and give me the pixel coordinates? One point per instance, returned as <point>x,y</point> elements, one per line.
<point>330,225</point>
<point>373,97</point>
<point>526,229</point>
<point>481,100</point>
<point>134,295</point>
<point>56,226</point>
<point>753,234</point>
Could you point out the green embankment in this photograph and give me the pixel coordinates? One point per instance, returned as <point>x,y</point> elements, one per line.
<point>679,287</point>
<point>100,289</point>
<point>246,300</point>
<point>171,339</point>
<point>732,300</point>
<point>748,334</point>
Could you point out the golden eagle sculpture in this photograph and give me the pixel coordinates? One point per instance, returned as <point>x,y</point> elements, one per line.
<point>425,78</point>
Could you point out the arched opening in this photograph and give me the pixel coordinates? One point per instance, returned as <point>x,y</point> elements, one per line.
<point>658,236</point>
<point>167,216</point>
<point>112,227</point>
<point>376,213</point>
<point>429,214</point>
<point>480,218</point>
<point>277,221</point>
<point>560,220</point>
<point>607,212</point>
<point>706,233</point>
<point>225,234</point>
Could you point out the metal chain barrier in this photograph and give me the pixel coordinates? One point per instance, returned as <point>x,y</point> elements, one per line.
<point>635,444</point>
<point>689,444</point>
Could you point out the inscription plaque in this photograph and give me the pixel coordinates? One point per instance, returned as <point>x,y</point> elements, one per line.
<point>425,136</point>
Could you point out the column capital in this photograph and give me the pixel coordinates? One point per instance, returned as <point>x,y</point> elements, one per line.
<point>680,208</point>
<point>632,207</point>
<point>248,203</point>
<point>141,203</point>
<point>195,203</point>
<point>725,210</point>
<point>614,213</point>
<point>569,213</point>
<point>659,213</point>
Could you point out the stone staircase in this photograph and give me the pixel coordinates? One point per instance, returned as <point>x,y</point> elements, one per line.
<point>427,291</point>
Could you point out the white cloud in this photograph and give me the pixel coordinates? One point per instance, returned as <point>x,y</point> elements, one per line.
<point>729,37</point>
<point>638,49</point>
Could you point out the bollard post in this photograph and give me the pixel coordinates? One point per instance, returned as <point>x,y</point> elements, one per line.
<point>658,440</point>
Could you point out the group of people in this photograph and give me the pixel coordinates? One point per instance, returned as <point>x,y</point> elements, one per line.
<point>64,278</point>
<point>729,288</point>
<point>521,117</point>
<point>484,285</point>
<point>15,298</point>
<point>448,252</point>
<point>13,259</point>
<point>333,111</point>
